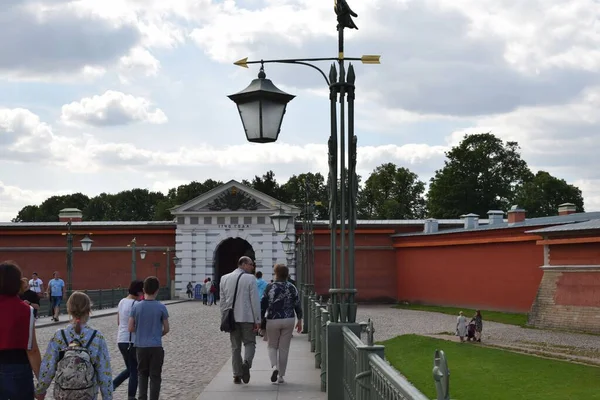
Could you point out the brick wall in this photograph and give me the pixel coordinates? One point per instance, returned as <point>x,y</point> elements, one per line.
<point>568,298</point>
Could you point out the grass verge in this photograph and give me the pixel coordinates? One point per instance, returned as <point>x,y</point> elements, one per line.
<point>495,316</point>
<point>491,374</point>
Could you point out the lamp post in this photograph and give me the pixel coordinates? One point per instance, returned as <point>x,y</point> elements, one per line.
<point>167,253</point>
<point>134,259</point>
<point>262,106</point>
<point>86,245</point>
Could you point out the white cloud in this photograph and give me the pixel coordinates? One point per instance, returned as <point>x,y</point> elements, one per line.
<point>14,198</point>
<point>139,62</point>
<point>52,39</point>
<point>110,109</point>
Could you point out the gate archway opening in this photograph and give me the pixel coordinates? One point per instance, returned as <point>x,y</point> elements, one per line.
<point>228,253</point>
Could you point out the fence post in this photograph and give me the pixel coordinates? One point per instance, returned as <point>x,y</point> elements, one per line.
<point>112,298</point>
<point>318,336</point>
<point>309,316</point>
<point>100,300</point>
<point>313,321</point>
<point>324,321</point>
<point>363,367</point>
<point>441,375</point>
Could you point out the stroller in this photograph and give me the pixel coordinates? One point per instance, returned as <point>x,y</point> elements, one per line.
<point>471,331</point>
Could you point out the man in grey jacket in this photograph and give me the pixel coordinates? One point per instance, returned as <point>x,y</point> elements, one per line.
<point>246,313</point>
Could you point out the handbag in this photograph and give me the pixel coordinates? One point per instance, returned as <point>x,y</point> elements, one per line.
<point>228,319</point>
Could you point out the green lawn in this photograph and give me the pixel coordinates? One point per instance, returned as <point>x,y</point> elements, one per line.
<point>484,373</point>
<point>495,316</point>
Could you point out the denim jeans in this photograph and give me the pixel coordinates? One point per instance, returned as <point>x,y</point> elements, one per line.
<point>16,382</point>
<point>131,370</point>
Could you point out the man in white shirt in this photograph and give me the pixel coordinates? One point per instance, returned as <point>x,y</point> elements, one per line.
<point>36,284</point>
<point>246,313</point>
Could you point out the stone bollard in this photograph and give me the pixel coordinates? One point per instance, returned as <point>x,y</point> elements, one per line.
<point>441,375</point>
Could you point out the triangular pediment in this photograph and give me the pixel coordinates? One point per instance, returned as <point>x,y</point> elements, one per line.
<point>230,197</point>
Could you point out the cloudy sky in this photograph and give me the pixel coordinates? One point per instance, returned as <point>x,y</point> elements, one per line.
<point>103,96</point>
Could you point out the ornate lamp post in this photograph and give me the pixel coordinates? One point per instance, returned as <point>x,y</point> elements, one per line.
<point>280,220</point>
<point>262,106</point>
<point>133,258</point>
<point>86,245</point>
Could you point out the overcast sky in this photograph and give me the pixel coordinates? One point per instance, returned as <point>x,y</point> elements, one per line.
<point>104,96</point>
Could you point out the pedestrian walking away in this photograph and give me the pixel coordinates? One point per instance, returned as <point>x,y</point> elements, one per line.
<point>241,286</point>
<point>126,340</point>
<point>19,354</point>
<point>149,320</point>
<point>281,305</point>
<point>77,358</point>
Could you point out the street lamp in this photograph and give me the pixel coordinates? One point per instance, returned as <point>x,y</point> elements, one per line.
<point>134,259</point>
<point>261,106</point>
<point>287,244</point>
<point>280,220</point>
<point>262,124</point>
<point>86,245</point>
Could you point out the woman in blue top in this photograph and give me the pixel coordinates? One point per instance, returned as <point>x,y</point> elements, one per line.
<point>79,308</point>
<point>281,304</point>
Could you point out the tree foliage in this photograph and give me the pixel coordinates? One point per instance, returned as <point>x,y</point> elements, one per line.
<point>482,173</point>
<point>542,195</point>
<point>392,192</point>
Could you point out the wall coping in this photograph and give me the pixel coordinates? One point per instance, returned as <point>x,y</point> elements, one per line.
<point>569,267</point>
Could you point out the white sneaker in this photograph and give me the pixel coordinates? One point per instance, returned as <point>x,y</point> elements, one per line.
<point>280,379</point>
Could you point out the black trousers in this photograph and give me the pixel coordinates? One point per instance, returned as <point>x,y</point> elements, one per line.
<point>150,363</point>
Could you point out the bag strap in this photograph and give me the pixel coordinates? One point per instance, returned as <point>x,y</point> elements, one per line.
<point>130,333</point>
<point>62,331</point>
<point>236,288</point>
<point>87,346</point>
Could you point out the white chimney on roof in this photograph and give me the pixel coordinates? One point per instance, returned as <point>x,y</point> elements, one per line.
<point>471,220</point>
<point>430,226</point>
<point>495,217</point>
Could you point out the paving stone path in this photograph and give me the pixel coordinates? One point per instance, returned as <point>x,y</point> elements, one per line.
<point>195,349</point>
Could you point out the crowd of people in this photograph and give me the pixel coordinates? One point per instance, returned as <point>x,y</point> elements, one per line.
<point>77,359</point>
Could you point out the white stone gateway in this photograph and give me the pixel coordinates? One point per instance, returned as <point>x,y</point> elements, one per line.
<point>218,227</point>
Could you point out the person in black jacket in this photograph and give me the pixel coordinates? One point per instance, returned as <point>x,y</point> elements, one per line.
<point>29,296</point>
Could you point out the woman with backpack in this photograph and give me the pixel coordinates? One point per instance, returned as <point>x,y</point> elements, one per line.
<point>77,358</point>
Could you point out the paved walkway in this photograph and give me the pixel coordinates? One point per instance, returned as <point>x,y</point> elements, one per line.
<point>302,378</point>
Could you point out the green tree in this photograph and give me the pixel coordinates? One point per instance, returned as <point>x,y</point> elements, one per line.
<point>294,192</point>
<point>181,195</point>
<point>28,214</point>
<point>480,174</point>
<point>541,196</point>
<point>100,208</point>
<point>392,192</point>
<point>266,184</point>
<point>136,205</point>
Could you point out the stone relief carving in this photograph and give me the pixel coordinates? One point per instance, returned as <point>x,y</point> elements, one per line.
<point>233,199</point>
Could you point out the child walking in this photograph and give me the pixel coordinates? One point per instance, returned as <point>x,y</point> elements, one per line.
<point>149,320</point>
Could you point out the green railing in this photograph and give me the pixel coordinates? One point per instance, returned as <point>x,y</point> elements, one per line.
<point>101,299</point>
<point>353,370</point>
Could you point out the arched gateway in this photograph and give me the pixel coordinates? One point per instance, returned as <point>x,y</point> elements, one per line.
<point>223,224</point>
<point>228,253</point>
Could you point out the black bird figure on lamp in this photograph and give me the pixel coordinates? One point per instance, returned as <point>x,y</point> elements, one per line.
<point>344,14</point>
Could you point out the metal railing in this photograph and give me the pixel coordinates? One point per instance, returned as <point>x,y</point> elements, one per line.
<point>101,299</point>
<point>365,372</point>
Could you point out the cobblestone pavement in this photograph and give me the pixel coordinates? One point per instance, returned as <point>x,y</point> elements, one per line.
<point>195,349</point>
<point>390,322</point>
